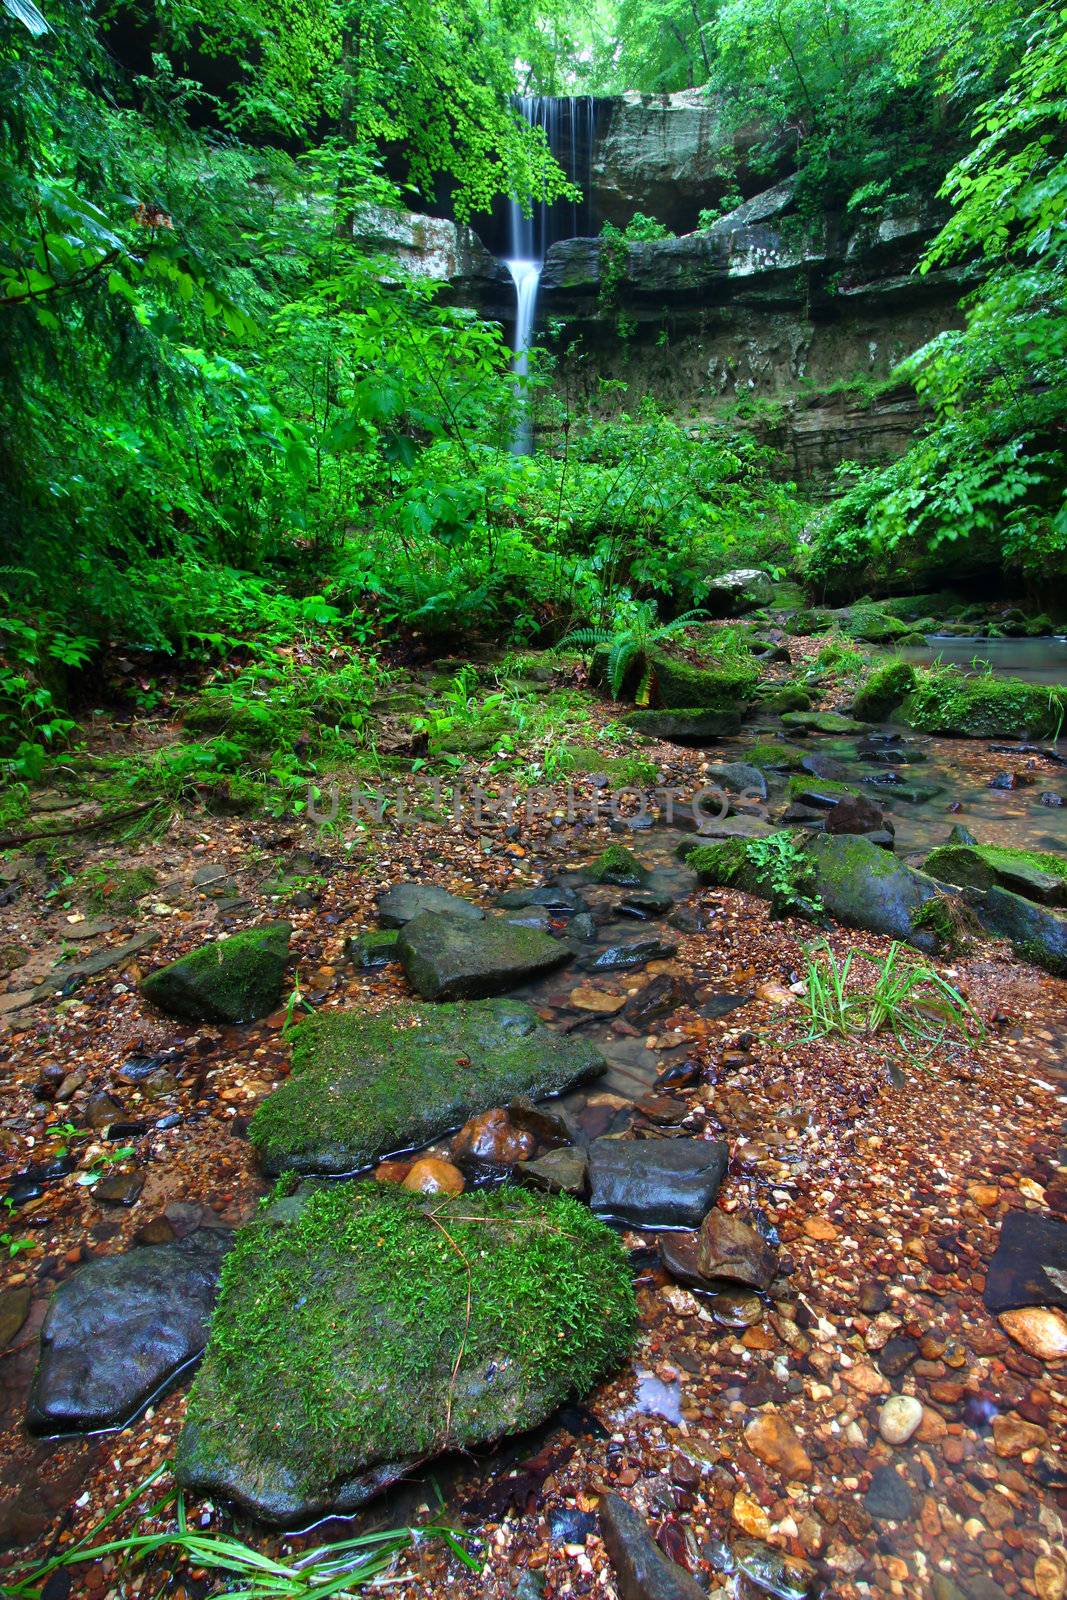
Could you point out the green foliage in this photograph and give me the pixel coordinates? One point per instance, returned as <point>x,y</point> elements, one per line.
<point>883,690</point>
<point>342,1568</point>
<point>907,999</point>
<point>985,489</point>
<point>629,646</point>
<point>785,873</point>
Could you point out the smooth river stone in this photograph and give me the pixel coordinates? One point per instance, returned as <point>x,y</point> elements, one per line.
<point>1040,1330</point>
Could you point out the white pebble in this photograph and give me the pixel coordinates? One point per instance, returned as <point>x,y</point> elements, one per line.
<point>899,1418</point>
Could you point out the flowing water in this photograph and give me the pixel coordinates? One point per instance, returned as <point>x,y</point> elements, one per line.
<point>568,124</point>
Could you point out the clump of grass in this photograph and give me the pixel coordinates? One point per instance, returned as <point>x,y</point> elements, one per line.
<point>343,1569</point>
<point>908,999</point>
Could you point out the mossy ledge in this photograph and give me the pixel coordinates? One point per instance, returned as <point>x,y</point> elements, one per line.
<point>365,1087</point>
<point>341,1351</point>
<point>231,980</point>
<point>1035,874</point>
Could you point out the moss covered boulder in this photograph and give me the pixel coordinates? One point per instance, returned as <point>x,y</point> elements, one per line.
<point>945,700</point>
<point>1037,875</point>
<point>686,724</point>
<point>871,624</point>
<point>363,1330</point>
<point>1037,933</point>
<point>883,690</point>
<point>619,866</point>
<point>821,722</point>
<point>859,883</point>
<point>232,980</point>
<point>365,1087</point>
<point>724,686</point>
<point>446,957</point>
<point>776,755</point>
<point>864,886</point>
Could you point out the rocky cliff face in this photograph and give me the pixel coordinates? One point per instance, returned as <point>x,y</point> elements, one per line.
<point>802,323</point>
<point>798,322</point>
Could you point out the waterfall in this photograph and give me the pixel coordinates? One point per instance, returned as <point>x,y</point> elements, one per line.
<point>569,123</point>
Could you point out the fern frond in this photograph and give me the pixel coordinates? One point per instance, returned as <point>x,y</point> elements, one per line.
<point>584,637</point>
<point>622,653</point>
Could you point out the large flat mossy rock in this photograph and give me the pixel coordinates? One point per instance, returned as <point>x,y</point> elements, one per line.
<point>119,1328</point>
<point>1037,875</point>
<point>365,1329</point>
<point>945,700</point>
<point>686,724</point>
<point>452,958</point>
<point>821,722</point>
<point>723,686</point>
<point>231,980</point>
<point>1036,933</point>
<point>365,1087</point>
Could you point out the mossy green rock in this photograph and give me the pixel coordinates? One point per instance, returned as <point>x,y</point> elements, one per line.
<point>446,957</point>
<point>822,722</point>
<point>1037,933</point>
<point>859,883</point>
<point>785,697</point>
<point>1037,875</point>
<point>617,865</point>
<point>883,690</point>
<point>945,700</point>
<point>681,685</point>
<point>872,625</point>
<point>685,724</point>
<point>361,1331</point>
<point>864,886</point>
<point>232,980</point>
<point>365,1087</point>
<point>776,756</point>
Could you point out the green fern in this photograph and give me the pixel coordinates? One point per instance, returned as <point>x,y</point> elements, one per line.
<point>632,640</point>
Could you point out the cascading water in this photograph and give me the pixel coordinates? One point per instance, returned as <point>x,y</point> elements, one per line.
<point>569,125</point>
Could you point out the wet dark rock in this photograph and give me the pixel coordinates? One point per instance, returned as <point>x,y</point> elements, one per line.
<point>368,951</point>
<point>642,1571</point>
<point>889,1498</point>
<point>866,887</point>
<point>119,1189</point>
<point>1050,798</point>
<point>680,1254</point>
<point>643,905</point>
<point>738,778</point>
<point>491,1137</point>
<point>447,957</point>
<point>625,957</point>
<point>659,998</point>
<point>961,835</point>
<point>364,1087</point>
<point>102,1111</point>
<point>549,1123</point>
<point>230,980</point>
<point>568,1525</point>
<point>529,917</point>
<point>1010,780</point>
<point>855,814</point>
<point>1036,933</point>
<point>119,1328</point>
<point>728,1248</point>
<point>563,1171</point>
<point>562,901</point>
<point>897,1355</point>
<point>582,929</point>
<point>772,1571</point>
<point>688,919</point>
<point>873,1298</point>
<point>720,1005</point>
<point>655,1183</point>
<point>14,1309</point>
<point>403,902</point>
<point>135,1069</point>
<point>826,767</point>
<point>1029,1266</point>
